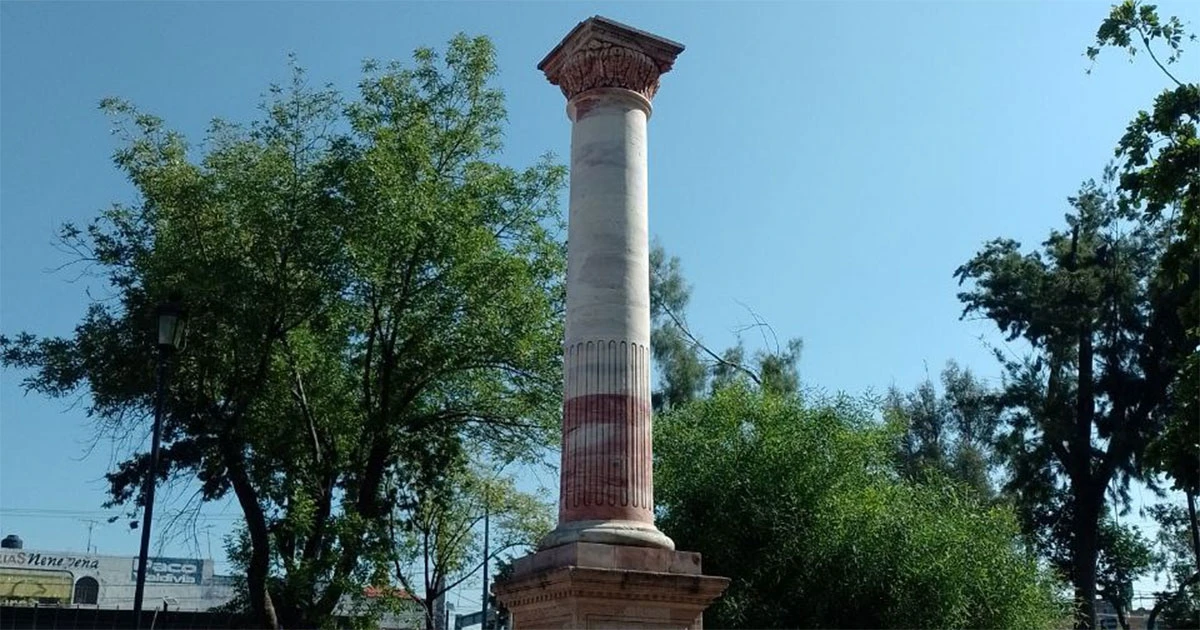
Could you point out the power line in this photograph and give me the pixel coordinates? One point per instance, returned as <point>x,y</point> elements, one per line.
<point>35,513</point>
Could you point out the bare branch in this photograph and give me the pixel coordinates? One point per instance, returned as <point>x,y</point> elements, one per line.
<point>696,342</point>
<point>491,556</point>
<point>761,323</point>
<point>302,400</point>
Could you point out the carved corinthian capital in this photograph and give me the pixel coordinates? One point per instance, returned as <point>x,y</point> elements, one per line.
<point>601,53</point>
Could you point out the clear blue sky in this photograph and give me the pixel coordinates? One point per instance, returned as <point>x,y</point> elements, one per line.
<point>829,165</point>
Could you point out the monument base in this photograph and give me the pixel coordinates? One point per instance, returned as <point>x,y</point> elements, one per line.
<point>609,532</point>
<point>597,586</point>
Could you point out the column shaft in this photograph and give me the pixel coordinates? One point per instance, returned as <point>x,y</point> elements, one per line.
<point>606,445</point>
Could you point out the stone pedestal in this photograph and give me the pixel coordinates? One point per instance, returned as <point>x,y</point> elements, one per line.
<point>606,565</point>
<point>592,586</point>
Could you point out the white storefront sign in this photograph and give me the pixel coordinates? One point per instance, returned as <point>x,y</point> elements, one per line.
<point>169,571</point>
<point>47,560</point>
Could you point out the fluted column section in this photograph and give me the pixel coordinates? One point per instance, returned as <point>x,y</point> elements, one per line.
<point>606,436</point>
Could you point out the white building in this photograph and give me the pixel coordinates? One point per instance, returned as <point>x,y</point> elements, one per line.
<point>67,578</point>
<point>70,578</point>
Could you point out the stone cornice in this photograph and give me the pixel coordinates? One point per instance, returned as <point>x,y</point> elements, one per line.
<point>612,585</point>
<point>601,53</point>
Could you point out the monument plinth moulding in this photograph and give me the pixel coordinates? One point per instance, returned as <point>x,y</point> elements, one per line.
<point>606,565</point>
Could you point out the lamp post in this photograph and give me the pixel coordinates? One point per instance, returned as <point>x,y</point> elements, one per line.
<point>172,324</point>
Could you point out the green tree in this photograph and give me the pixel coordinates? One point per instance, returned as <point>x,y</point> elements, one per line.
<point>441,543</point>
<point>799,504</point>
<point>1160,179</point>
<point>1103,350</point>
<point>1125,555</point>
<point>687,367</point>
<point>1179,557</point>
<point>952,434</point>
<point>682,374</point>
<point>371,294</point>
<point>1110,315</point>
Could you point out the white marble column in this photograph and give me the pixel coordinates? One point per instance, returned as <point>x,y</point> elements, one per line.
<point>608,72</point>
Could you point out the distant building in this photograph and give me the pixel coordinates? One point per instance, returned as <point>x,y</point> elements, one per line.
<point>63,578</point>
<point>31,577</point>
<point>407,612</point>
<point>1107,618</point>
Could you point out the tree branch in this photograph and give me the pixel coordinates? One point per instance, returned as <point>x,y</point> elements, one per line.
<point>1146,43</point>
<point>760,324</point>
<point>1158,608</point>
<point>491,556</point>
<point>302,401</point>
<point>696,342</point>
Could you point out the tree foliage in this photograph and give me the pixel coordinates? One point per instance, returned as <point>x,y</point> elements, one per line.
<point>799,503</point>
<point>1179,558</point>
<point>1124,556</point>
<point>1160,179</point>
<point>439,541</point>
<point>687,368</point>
<point>952,434</point>
<point>1104,349</point>
<point>1159,155</point>
<point>682,373</point>
<point>372,296</point>
<point>1107,311</point>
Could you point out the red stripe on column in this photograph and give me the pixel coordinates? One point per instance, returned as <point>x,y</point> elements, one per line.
<point>599,471</point>
<point>606,433</point>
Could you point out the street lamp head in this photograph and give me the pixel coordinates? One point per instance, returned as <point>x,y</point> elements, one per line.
<point>172,324</point>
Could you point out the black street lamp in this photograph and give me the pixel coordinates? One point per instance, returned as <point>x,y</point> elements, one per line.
<point>172,324</point>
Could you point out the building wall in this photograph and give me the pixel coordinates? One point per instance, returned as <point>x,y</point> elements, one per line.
<point>30,575</point>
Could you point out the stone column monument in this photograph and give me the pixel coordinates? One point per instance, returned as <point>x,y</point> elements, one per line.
<point>606,565</point>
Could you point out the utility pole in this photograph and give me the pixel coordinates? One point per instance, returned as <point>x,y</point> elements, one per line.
<point>148,507</point>
<point>486,515</point>
<point>172,323</point>
<point>91,524</point>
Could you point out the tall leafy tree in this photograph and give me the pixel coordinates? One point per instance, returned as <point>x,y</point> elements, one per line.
<point>1104,349</point>
<point>1159,156</point>
<point>1160,178</point>
<point>371,292</point>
